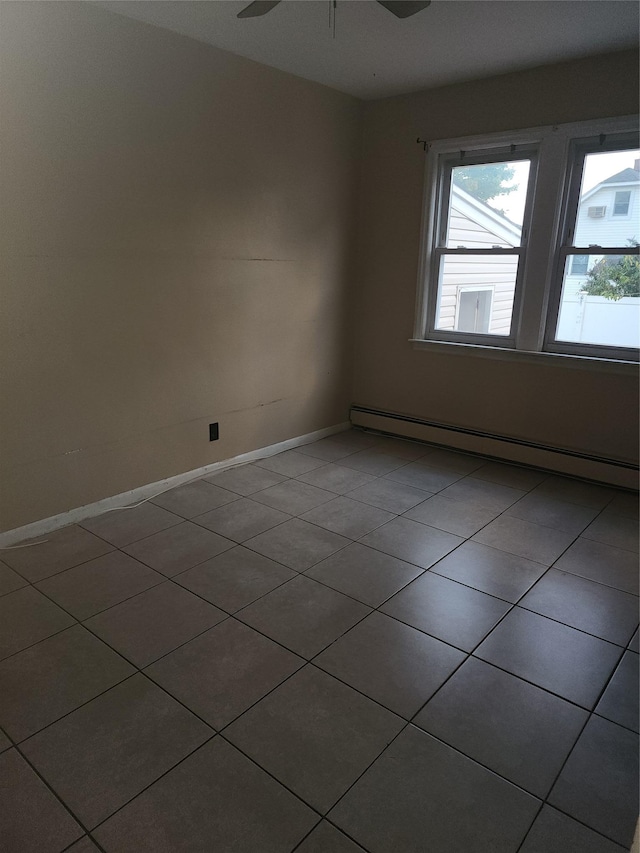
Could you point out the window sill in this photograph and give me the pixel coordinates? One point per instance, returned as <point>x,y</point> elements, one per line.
<point>575,362</point>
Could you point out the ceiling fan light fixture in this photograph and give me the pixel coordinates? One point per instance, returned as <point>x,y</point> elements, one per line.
<point>257,8</point>
<point>400,8</point>
<point>404,8</point>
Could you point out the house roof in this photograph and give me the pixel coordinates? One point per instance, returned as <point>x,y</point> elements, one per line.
<point>626,176</point>
<point>485,216</point>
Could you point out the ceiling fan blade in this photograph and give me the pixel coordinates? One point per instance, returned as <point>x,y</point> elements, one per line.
<point>257,8</point>
<point>404,8</point>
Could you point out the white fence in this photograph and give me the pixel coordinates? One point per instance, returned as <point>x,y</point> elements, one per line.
<point>596,320</point>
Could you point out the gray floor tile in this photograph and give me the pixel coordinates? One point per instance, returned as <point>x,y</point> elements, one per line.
<point>452,460</point>
<point>194,498</point>
<point>390,662</point>
<point>576,491</point>
<point>214,800</point>
<point>348,517</point>
<point>364,573</point>
<point>490,570</point>
<point>10,580</point>
<point>242,519</point>
<point>599,782</point>
<point>297,544</point>
<point>98,584</point>
<point>626,503</point>
<point>619,701</point>
<point>491,495</point>
<point>293,497</point>
<point>510,475</point>
<point>103,754</point>
<point>389,495</point>
<point>633,645</point>
<point>31,818</point>
<point>315,735</point>
<point>615,529</point>
<point>525,539</point>
<point>124,526</point>
<point>328,449</point>
<point>5,743</point>
<point>303,615</point>
<point>419,789</point>
<point>602,563</point>
<point>554,832</point>
<point>401,448</point>
<point>27,616</point>
<point>411,541</point>
<point>290,463</point>
<point>421,476</point>
<point>179,548</point>
<point>601,610</point>
<point>549,512</point>
<point>454,613</point>
<point>54,677</point>
<point>372,462</point>
<point>221,673</point>
<point>155,622</point>
<point>574,665</point>
<point>245,479</point>
<point>85,845</point>
<point>521,732</point>
<point>459,517</point>
<point>336,478</point>
<point>357,439</point>
<point>327,839</point>
<point>57,551</point>
<point>236,578</point>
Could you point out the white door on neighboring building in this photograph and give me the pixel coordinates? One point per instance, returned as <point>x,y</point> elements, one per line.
<point>474,311</point>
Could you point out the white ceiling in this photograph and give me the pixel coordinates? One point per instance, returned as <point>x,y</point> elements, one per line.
<point>374,54</point>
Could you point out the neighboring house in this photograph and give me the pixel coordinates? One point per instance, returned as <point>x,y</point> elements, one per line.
<point>609,215</point>
<point>477,291</point>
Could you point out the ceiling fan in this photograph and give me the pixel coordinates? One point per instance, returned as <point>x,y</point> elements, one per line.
<point>400,8</point>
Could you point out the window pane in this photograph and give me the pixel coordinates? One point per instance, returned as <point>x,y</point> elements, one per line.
<point>476,292</point>
<point>486,205</point>
<point>601,306</point>
<point>608,210</point>
<point>621,203</point>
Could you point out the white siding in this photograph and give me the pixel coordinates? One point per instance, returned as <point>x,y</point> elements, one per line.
<point>610,230</point>
<point>497,273</point>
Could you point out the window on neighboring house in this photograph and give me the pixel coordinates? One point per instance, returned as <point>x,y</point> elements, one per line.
<point>621,203</point>
<point>579,264</point>
<point>491,277</point>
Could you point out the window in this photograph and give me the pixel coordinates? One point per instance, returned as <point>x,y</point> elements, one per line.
<point>579,264</point>
<point>621,203</point>
<point>518,252</point>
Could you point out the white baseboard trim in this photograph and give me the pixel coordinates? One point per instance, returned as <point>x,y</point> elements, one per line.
<point>560,461</point>
<point>47,525</point>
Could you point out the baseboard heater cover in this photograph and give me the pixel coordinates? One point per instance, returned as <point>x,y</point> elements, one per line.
<point>610,471</point>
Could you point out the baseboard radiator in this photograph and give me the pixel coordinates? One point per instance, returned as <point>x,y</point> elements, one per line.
<point>610,471</point>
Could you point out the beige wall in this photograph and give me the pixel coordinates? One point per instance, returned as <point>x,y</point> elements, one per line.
<point>583,410</point>
<point>176,229</point>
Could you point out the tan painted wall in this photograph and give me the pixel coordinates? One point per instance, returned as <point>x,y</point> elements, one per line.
<point>588,411</point>
<point>175,239</point>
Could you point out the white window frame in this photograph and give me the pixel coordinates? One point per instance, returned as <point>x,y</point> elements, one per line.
<point>579,148</point>
<point>627,213</point>
<point>537,296</point>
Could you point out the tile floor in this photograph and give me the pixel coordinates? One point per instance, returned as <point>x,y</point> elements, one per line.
<point>362,644</point>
